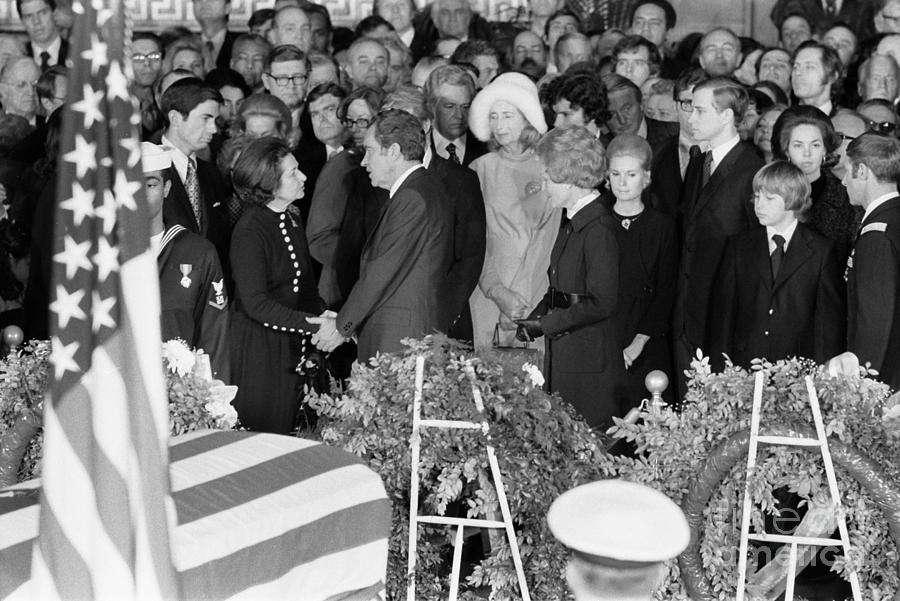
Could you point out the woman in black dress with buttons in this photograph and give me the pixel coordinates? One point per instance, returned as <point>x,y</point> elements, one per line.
<point>648,264</point>
<point>275,290</point>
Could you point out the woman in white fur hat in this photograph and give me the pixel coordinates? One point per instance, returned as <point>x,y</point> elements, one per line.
<point>521,224</point>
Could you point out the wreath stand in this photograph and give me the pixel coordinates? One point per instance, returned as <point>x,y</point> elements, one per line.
<point>820,442</point>
<point>415,519</point>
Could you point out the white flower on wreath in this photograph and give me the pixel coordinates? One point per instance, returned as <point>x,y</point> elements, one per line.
<point>535,377</point>
<point>220,406</point>
<point>179,358</point>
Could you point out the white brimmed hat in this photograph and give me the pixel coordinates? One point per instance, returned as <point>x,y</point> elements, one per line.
<point>516,89</point>
<point>154,157</point>
<point>619,524</point>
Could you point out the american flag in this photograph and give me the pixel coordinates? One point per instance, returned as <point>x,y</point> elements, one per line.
<point>106,507</point>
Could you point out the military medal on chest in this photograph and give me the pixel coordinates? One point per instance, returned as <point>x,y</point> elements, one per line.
<point>185,269</point>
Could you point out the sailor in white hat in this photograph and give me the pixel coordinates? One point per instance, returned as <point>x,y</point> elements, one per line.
<point>620,535</point>
<point>193,298</point>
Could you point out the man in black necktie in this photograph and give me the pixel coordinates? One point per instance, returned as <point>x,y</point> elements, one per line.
<point>212,15</point>
<point>449,92</point>
<point>45,45</point>
<point>713,211</point>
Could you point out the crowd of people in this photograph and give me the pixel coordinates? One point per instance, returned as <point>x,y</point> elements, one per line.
<point>573,182</point>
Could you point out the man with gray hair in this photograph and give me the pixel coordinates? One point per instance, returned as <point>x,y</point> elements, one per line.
<point>448,19</point>
<point>291,25</point>
<point>448,93</point>
<point>366,63</point>
<point>572,48</point>
<point>879,77</point>
<point>17,93</point>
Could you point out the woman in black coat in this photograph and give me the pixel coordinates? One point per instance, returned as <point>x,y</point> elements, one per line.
<point>648,266</point>
<point>583,361</point>
<point>275,290</point>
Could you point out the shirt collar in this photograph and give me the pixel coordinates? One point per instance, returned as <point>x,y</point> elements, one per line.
<point>217,40</point>
<point>580,204</point>
<point>720,151</point>
<point>179,159</point>
<point>426,160</point>
<point>642,129</point>
<point>52,49</point>
<point>402,179</point>
<point>877,203</point>
<point>440,144</point>
<point>787,233</point>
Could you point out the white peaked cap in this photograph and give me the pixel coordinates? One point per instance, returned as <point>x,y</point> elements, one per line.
<point>155,157</point>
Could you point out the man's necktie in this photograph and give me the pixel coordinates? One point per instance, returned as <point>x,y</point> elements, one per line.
<point>777,255</point>
<point>451,153</point>
<point>830,7</point>
<point>192,185</point>
<point>45,60</point>
<point>707,167</point>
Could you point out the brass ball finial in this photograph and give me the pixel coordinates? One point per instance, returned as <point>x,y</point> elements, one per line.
<point>13,336</point>
<point>656,382</point>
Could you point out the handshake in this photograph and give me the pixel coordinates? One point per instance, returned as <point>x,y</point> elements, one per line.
<point>327,338</point>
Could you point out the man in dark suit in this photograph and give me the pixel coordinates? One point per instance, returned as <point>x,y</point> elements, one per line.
<point>873,271</point>
<point>578,99</point>
<point>407,256</point>
<point>448,93</point>
<point>45,45</point>
<point>671,157</point>
<point>189,111</point>
<point>716,204</point>
<point>627,116</point>
<point>779,291</point>
<point>212,15</point>
<point>443,19</point>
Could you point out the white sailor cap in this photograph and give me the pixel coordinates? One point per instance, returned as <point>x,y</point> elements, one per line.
<point>619,524</point>
<point>154,157</point>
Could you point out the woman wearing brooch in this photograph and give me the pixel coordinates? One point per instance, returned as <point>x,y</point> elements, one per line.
<point>275,290</point>
<point>648,266</point>
<point>521,223</point>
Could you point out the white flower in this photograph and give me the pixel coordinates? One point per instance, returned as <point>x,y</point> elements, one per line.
<point>534,374</point>
<point>179,358</point>
<point>220,406</point>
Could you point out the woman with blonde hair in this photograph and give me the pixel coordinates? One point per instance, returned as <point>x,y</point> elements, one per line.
<point>521,223</point>
<point>583,362</point>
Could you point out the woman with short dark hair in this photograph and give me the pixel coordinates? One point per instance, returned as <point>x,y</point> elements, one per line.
<point>805,136</point>
<point>275,290</point>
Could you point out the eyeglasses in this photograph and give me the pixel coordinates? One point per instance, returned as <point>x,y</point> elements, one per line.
<point>361,123</point>
<point>686,105</point>
<point>884,127</point>
<point>285,80</point>
<point>153,57</point>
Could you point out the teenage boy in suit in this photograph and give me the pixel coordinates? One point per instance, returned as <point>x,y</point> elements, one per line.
<point>779,291</point>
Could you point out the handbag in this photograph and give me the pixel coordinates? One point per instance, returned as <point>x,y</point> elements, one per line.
<point>526,348</point>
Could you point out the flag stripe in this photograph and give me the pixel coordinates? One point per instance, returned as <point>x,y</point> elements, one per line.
<point>72,583</point>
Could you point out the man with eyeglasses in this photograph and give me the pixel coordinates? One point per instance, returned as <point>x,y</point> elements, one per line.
<point>285,75</point>
<point>816,70</point>
<point>146,60</point>
<point>45,45</point>
<point>17,92</point>
<point>849,125</point>
<point>720,52</point>
<point>879,115</point>
<point>671,157</point>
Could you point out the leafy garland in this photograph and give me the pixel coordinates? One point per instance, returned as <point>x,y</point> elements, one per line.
<point>676,446</point>
<point>196,401</point>
<point>543,449</point>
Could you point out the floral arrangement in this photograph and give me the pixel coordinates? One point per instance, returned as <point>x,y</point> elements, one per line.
<point>542,446</point>
<point>698,457</point>
<point>196,401</point>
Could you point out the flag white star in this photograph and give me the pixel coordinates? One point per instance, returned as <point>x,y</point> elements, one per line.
<point>90,106</point>
<point>106,259</point>
<point>97,54</point>
<point>117,83</point>
<point>107,212</point>
<point>77,8</point>
<point>134,149</point>
<point>100,309</point>
<point>63,357</point>
<point>125,190</point>
<point>66,306</point>
<point>83,157</point>
<point>81,203</point>
<point>74,256</point>
<point>103,13</point>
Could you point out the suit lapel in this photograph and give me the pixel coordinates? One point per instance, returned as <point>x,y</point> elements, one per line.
<point>179,198</point>
<point>798,252</point>
<point>718,177</point>
<point>759,249</point>
<point>411,178</point>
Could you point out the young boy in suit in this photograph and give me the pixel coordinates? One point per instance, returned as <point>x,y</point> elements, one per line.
<point>779,291</point>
